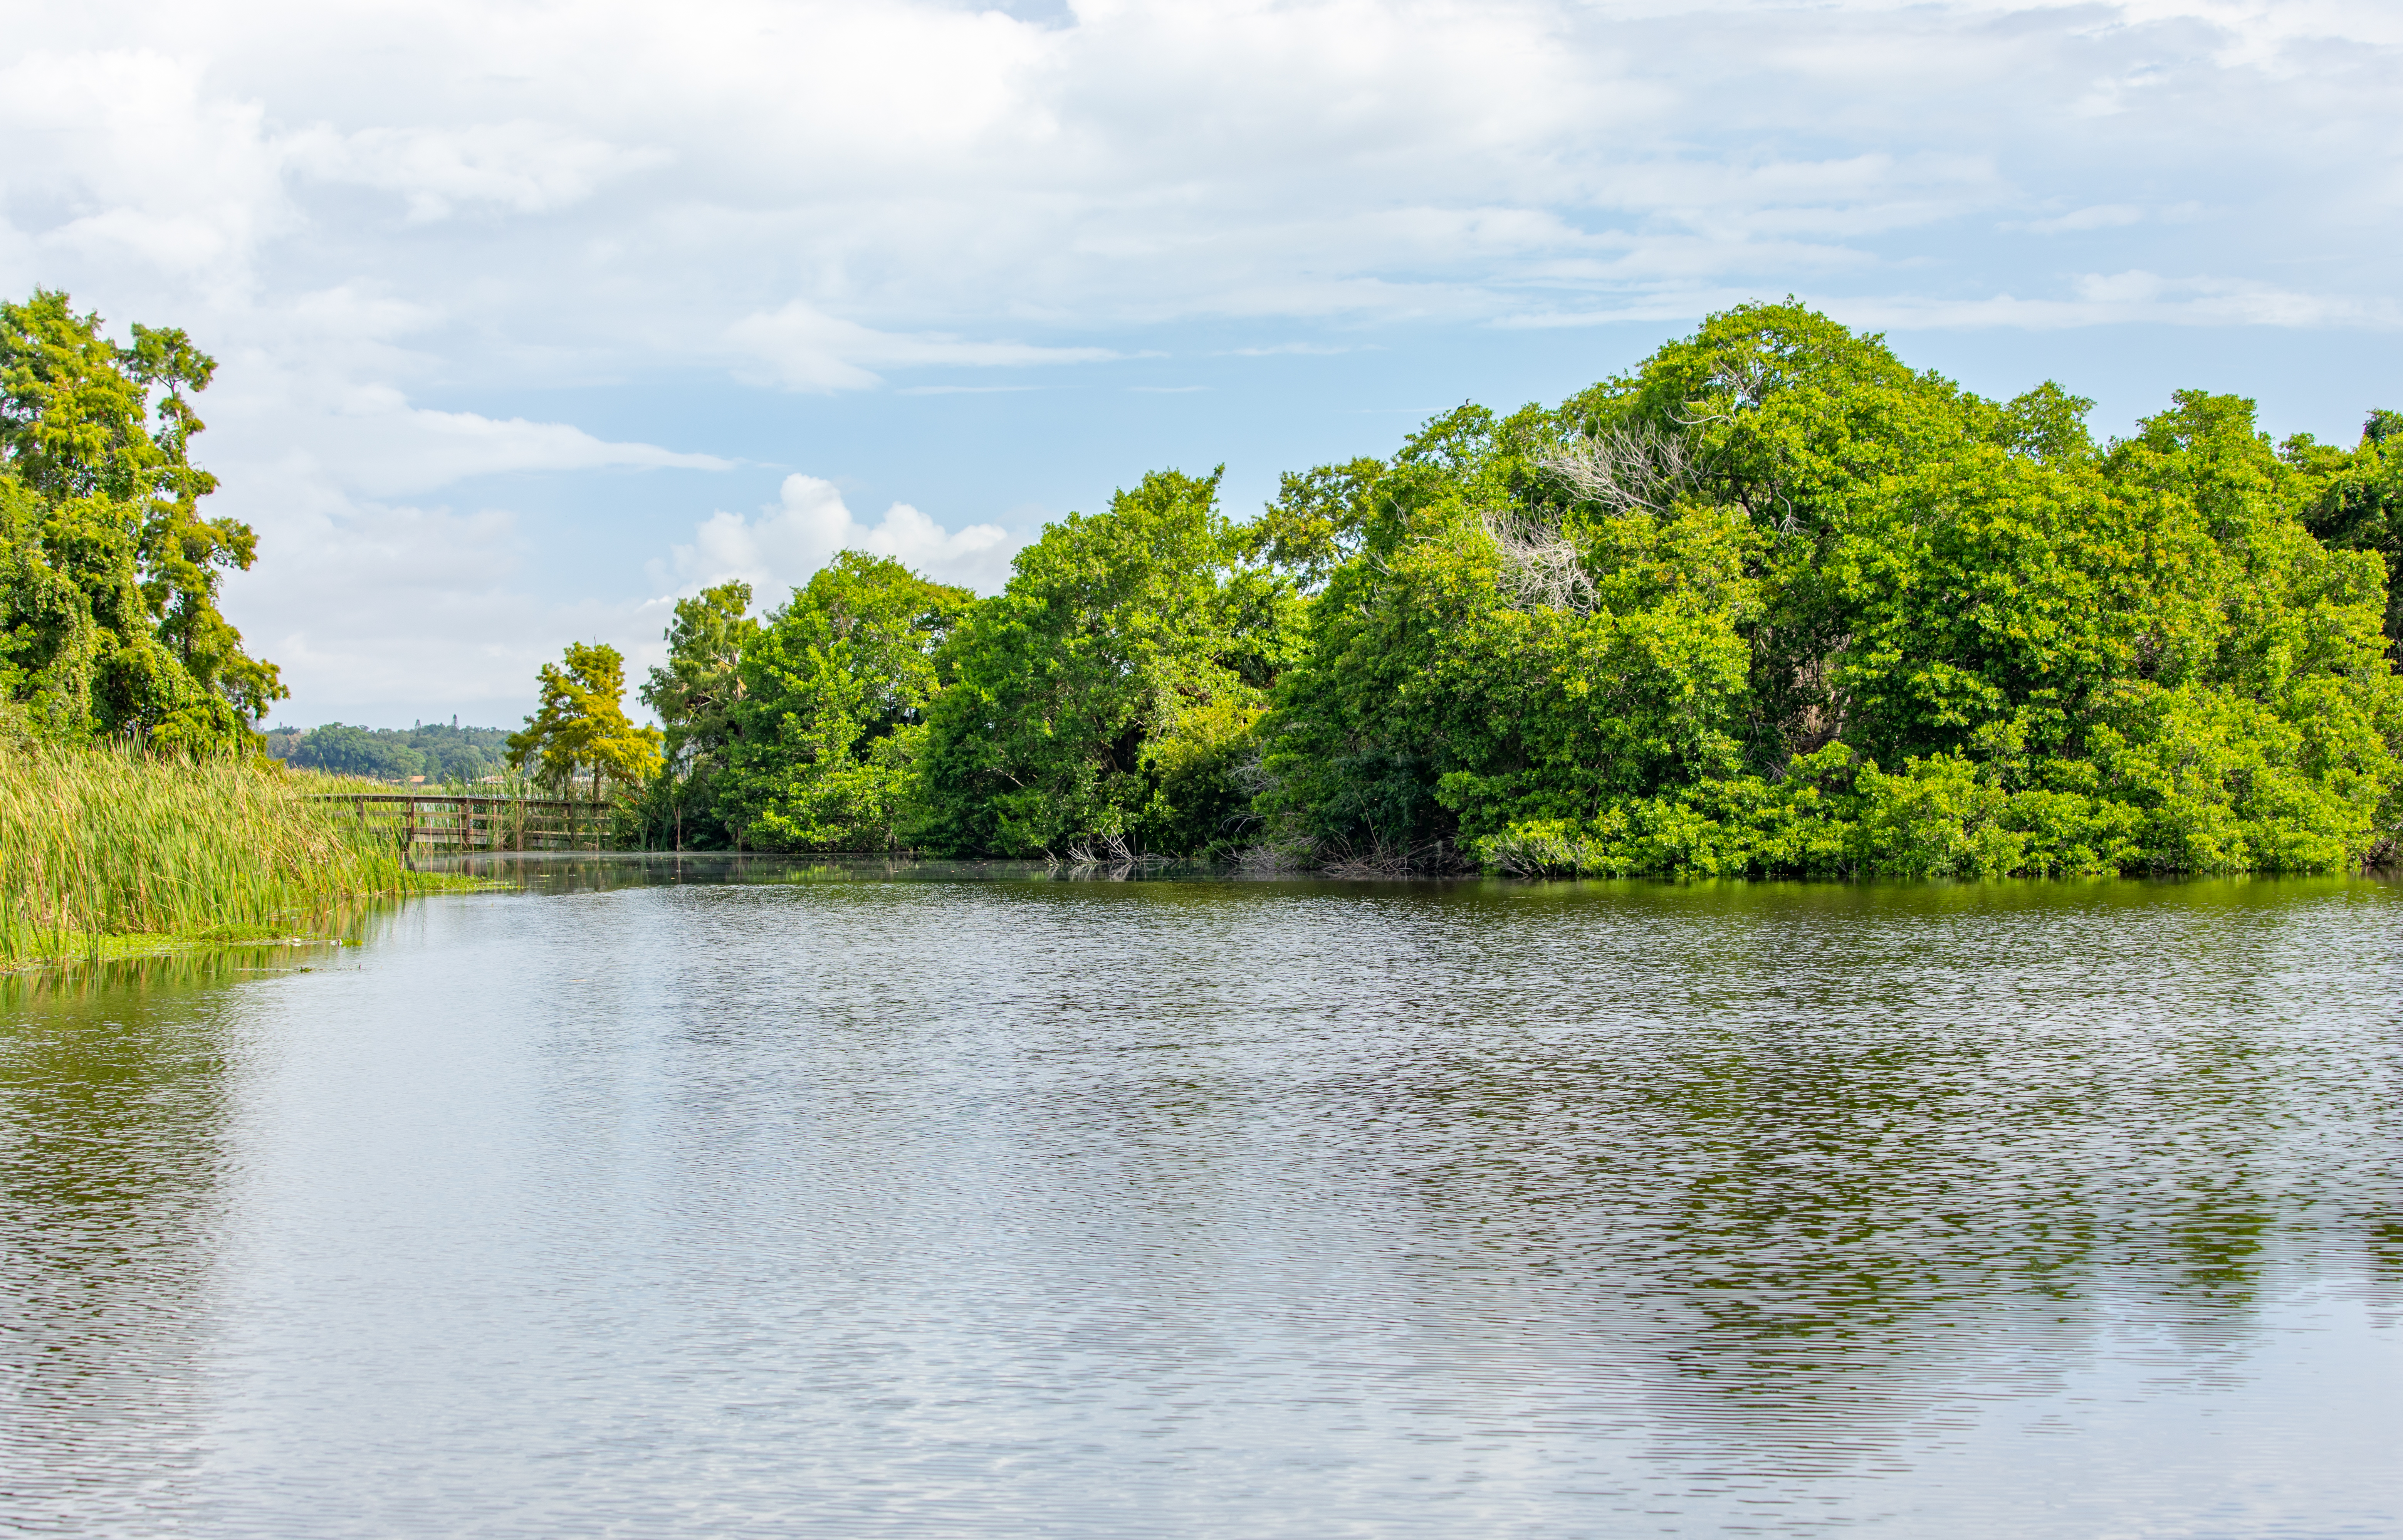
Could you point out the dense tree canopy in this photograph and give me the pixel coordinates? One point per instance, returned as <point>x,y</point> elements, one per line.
<point>109,573</point>
<point>1103,700</point>
<point>2360,503</point>
<point>1772,601</point>
<point>831,713</point>
<point>340,750</point>
<point>696,692</point>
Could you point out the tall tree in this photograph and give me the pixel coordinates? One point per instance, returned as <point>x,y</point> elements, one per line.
<point>1103,698</point>
<point>110,574</point>
<point>696,693</point>
<point>832,711</point>
<point>581,730</point>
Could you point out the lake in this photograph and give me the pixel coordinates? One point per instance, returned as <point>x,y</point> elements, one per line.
<point>748,1197</point>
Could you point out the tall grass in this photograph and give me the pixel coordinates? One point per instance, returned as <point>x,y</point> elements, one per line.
<point>111,842</point>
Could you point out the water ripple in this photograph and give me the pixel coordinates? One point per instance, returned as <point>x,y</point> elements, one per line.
<point>751,1205</point>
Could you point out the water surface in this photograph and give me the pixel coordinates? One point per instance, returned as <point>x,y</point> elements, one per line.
<point>736,1199</point>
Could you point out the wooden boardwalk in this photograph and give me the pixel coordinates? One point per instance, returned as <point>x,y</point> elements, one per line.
<point>479,823</point>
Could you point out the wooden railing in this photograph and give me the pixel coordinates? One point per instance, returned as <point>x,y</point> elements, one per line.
<point>479,823</point>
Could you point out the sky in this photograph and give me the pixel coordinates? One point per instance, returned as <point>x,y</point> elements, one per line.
<point>531,318</point>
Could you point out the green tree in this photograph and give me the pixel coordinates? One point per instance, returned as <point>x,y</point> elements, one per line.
<point>580,730</point>
<point>696,694</point>
<point>1103,701</point>
<point>2360,504</point>
<point>1361,735</point>
<point>831,717</point>
<point>1315,523</point>
<point>109,576</point>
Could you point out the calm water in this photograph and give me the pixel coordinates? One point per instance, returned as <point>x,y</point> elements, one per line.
<point>795,1204</point>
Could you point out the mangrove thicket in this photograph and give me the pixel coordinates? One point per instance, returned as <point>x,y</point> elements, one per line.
<point>1772,602</point>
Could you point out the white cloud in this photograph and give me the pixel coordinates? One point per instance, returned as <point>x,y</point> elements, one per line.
<point>2131,297</point>
<point>806,349</point>
<point>523,167</point>
<point>114,159</point>
<point>2098,216</point>
<point>383,611</point>
<point>393,447</point>
<point>777,551</point>
<point>419,235</point>
<point>369,439</point>
<point>826,193</point>
<point>378,601</point>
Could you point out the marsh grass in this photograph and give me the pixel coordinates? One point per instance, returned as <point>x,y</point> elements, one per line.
<point>108,850</point>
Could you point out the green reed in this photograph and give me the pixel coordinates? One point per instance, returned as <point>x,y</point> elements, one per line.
<point>99,843</point>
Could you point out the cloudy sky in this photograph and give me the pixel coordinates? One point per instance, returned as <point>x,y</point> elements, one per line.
<point>532,318</point>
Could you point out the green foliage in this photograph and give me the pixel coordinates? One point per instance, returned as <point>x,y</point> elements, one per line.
<point>580,729</point>
<point>437,751</point>
<point>698,690</point>
<point>1100,702</point>
<point>1679,624</point>
<point>696,694</point>
<point>2360,502</point>
<point>1317,523</point>
<point>109,575</point>
<point>829,713</point>
<point>111,842</point>
<point>453,753</point>
<point>1771,603</point>
<point>340,750</point>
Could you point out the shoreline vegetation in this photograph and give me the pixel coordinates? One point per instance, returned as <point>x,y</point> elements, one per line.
<point>1772,603</point>
<point>137,812</point>
<point>114,853</point>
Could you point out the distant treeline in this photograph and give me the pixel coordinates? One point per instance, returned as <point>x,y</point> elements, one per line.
<point>436,751</point>
<point>1772,602</point>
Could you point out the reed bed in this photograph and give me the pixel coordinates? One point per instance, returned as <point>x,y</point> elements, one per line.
<point>103,843</point>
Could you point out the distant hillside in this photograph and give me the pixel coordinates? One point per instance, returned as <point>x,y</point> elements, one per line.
<point>435,750</point>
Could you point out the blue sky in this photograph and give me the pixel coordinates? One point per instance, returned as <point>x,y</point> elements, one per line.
<point>534,317</point>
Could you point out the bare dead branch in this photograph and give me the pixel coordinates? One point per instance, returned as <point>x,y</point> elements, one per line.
<point>1625,469</point>
<point>1541,567</point>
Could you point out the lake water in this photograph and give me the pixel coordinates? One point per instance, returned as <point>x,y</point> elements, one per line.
<point>749,1198</point>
